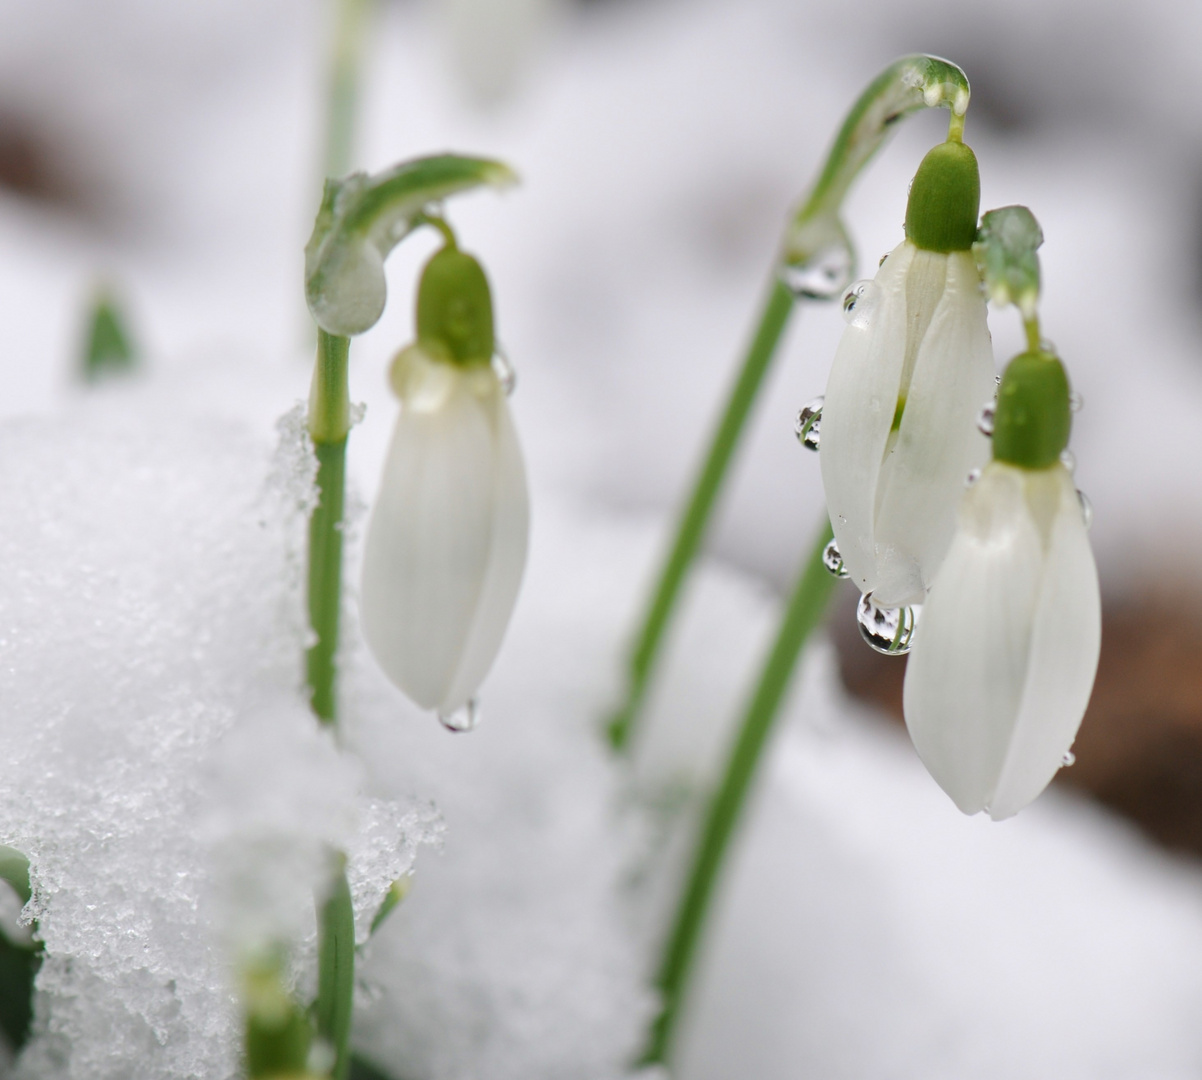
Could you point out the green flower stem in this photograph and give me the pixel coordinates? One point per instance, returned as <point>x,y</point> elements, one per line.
<point>336,971</point>
<point>691,531</point>
<point>350,32</point>
<point>805,610</point>
<point>814,234</point>
<point>329,422</point>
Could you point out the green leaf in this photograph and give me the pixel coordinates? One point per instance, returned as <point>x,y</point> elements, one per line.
<point>362,1069</point>
<point>336,971</point>
<point>362,218</point>
<point>19,961</point>
<point>397,892</point>
<point>108,349</point>
<point>278,1031</point>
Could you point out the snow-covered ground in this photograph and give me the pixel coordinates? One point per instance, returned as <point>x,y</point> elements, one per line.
<point>153,732</point>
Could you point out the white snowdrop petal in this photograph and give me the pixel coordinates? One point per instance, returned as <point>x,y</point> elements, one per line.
<point>1065,642</point>
<point>937,444</point>
<point>965,676</point>
<point>509,526</point>
<point>861,395</point>
<point>429,542</point>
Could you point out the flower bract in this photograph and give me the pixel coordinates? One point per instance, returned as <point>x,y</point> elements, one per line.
<point>1007,648</point>
<point>446,545</point>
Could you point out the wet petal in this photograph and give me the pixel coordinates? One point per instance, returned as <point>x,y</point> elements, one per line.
<point>1065,642</point>
<point>922,478</point>
<point>446,541</point>
<point>965,676</point>
<point>861,397</point>
<point>506,562</point>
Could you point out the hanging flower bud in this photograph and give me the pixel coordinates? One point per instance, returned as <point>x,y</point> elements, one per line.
<point>446,545</point>
<point>1007,650</point>
<point>911,373</point>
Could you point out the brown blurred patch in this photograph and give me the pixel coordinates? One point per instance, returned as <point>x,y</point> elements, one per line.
<point>37,163</point>
<point>1140,746</point>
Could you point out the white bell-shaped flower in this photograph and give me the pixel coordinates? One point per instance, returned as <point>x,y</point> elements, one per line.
<point>1007,648</point>
<point>446,545</point>
<point>912,371</point>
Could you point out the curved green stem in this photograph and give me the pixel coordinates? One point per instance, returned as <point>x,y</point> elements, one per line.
<point>689,534</point>
<point>804,612</point>
<point>904,87</point>
<point>329,422</point>
<point>814,237</point>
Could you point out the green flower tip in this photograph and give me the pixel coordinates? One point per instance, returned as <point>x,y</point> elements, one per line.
<point>945,199</point>
<point>499,175</point>
<point>454,308</point>
<point>1033,418</point>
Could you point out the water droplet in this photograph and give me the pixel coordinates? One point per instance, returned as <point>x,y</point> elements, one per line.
<point>809,421</point>
<point>503,369</point>
<point>1076,402</point>
<point>985,419</point>
<point>464,718</point>
<point>1068,460</point>
<point>853,293</point>
<point>832,559</point>
<point>860,301</point>
<point>1048,347</point>
<point>997,380</point>
<point>1086,508</point>
<point>823,277</point>
<point>1069,759</point>
<point>887,630</point>
<point>973,476</point>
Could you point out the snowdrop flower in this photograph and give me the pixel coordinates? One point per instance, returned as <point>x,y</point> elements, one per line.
<point>910,375</point>
<point>1007,649</point>
<point>446,545</point>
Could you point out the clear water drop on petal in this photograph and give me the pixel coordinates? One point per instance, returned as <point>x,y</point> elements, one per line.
<point>887,630</point>
<point>1086,508</point>
<point>860,302</point>
<point>809,422</point>
<point>1076,402</point>
<point>973,476</point>
<point>832,559</point>
<point>503,369</point>
<point>985,419</point>
<point>1069,759</point>
<point>851,296</point>
<point>465,718</point>
<point>1069,460</point>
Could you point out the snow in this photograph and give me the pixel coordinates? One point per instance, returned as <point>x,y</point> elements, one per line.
<point>160,767</point>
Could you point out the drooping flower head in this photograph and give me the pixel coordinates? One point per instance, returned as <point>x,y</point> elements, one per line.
<point>911,373</point>
<point>446,545</point>
<point>1007,650</point>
